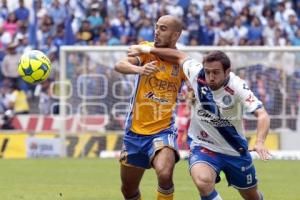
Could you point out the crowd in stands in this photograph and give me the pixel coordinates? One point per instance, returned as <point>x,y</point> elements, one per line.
<point>48,24</point>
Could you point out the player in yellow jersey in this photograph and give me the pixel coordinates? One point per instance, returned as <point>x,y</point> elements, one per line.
<point>150,136</point>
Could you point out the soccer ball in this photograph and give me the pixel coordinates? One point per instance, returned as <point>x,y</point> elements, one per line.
<point>34,66</point>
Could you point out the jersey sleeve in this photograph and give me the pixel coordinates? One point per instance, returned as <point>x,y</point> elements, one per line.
<point>249,101</point>
<point>191,68</point>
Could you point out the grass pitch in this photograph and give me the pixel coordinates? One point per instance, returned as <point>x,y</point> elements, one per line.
<point>98,179</point>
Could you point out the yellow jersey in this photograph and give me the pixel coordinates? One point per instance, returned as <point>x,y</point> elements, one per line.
<point>20,101</point>
<point>154,100</point>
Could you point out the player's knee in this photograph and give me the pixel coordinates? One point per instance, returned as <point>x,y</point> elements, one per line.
<point>204,184</point>
<point>164,176</point>
<point>128,191</point>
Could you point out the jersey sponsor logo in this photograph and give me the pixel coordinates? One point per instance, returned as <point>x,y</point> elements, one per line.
<point>160,85</point>
<point>212,119</point>
<point>204,140</point>
<point>151,95</point>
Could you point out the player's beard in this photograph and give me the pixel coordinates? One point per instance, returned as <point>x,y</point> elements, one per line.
<point>214,86</point>
<point>160,43</point>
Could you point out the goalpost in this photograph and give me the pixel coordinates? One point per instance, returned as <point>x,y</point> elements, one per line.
<point>90,89</point>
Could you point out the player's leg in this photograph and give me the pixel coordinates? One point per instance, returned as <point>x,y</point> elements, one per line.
<point>204,169</point>
<point>164,163</point>
<point>251,194</point>
<point>164,154</point>
<point>241,174</point>
<point>131,178</point>
<point>133,165</point>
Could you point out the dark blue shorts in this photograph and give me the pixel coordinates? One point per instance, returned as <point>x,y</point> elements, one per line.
<point>139,150</point>
<point>239,170</point>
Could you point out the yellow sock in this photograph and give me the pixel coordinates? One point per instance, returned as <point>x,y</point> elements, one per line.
<point>167,195</point>
<point>161,196</point>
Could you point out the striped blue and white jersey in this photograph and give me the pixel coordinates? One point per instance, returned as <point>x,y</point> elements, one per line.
<point>217,116</point>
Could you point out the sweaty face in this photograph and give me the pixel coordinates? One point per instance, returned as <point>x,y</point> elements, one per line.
<point>215,75</point>
<point>163,33</point>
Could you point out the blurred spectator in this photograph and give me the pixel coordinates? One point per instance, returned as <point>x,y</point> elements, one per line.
<point>240,31</point>
<point>7,120</point>
<point>279,39</point>
<point>22,13</point>
<point>95,18</point>
<point>18,100</point>
<point>267,14</point>
<point>291,26</point>
<point>5,38</point>
<point>146,32</point>
<point>23,44</point>
<point>46,29</point>
<point>224,35</point>
<point>246,17</point>
<point>85,35</point>
<point>269,32</point>
<point>279,14</point>
<point>57,12</point>
<point>11,24</point>
<point>255,32</point>
<point>103,39</point>
<point>174,9</point>
<point>135,12</point>
<point>228,17</point>
<point>114,7</point>
<point>10,63</point>
<point>3,12</point>
<point>46,102</point>
<point>49,48</point>
<point>295,41</point>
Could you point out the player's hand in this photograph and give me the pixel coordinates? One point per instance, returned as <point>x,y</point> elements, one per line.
<point>262,151</point>
<point>149,68</point>
<point>136,50</point>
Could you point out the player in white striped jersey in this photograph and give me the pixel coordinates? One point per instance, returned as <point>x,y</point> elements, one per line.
<point>216,134</point>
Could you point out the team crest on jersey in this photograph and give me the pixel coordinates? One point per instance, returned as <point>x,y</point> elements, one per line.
<point>175,70</point>
<point>227,100</point>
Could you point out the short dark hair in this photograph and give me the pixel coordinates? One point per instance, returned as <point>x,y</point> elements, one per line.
<point>219,56</point>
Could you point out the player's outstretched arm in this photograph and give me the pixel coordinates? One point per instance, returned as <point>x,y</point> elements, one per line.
<point>263,124</point>
<point>129,65</point>
<point>171,55</point>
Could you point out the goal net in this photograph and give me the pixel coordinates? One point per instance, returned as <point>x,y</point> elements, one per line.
<point>91,90</point>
